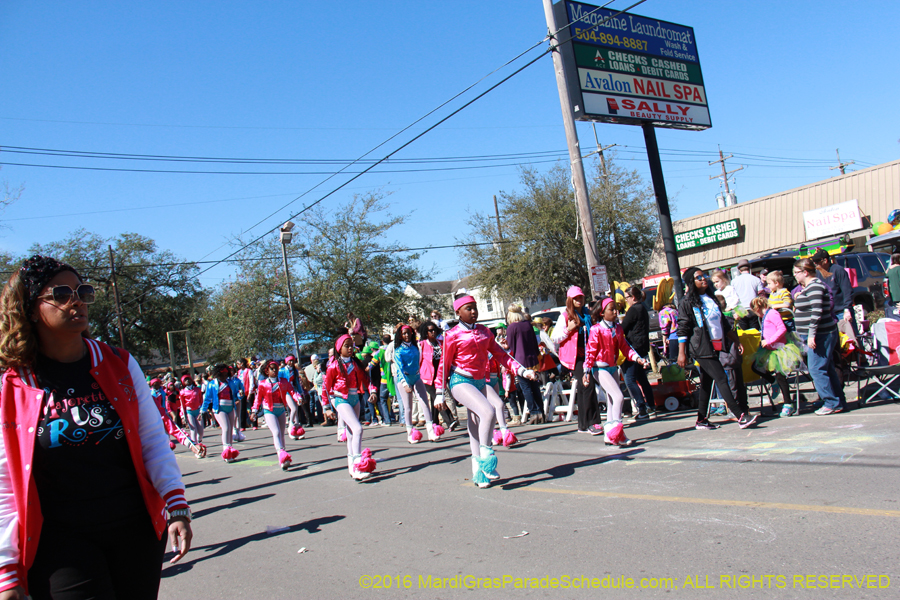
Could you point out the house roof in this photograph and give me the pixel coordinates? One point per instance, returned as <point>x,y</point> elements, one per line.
<point>433,288</point>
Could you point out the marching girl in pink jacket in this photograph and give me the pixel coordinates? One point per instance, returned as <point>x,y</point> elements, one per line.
<point>605,341</point>
<point>88,485</point>
<point>272,394</point>
<point>191,399</point>
<point>345,385</point>
<point>465,367</point>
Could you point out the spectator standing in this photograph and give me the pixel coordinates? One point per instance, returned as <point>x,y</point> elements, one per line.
<point>523,347</point>
<point>817,329</point>
<point>702,329</point>
<point>86,511</point>
<point>836,278</point>
<point>570,335</point>
<point>893,276</point>
<point>747,286</point>
<point>636,327</point>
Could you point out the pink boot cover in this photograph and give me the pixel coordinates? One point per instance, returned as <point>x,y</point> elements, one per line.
<point>509,439</point>
<point>365,464</point>
<point>616,434</point>
<point>343,436</point>
<point>283,457</point>
<point>298,432</point>
<point>415,435</point>
<point>438,430</point>
<point>498,437</point>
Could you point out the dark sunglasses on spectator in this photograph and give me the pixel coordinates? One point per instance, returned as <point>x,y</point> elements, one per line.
<point>701,277</point>
<point>63,294</point>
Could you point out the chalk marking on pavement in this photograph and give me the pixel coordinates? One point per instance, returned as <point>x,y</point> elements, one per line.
<point>845,510</point>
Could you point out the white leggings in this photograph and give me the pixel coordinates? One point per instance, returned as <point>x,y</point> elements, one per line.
<point>350,416</point>
<point>614,395</point>
<point>482,409</point>
<point>276,424</point>
<point>418,389</point>
<point>196,425</point>
<point>226,422</point>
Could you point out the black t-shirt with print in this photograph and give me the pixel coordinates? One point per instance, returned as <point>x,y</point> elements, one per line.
<point>82,465</point>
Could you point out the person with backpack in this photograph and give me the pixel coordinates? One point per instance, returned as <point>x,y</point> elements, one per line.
<point>817,329</point>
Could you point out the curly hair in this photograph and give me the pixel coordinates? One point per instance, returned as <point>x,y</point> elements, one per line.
<point>18,339</point>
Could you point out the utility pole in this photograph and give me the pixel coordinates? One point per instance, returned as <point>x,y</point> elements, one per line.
<point>725,174</point>
<point>617,246</point>
<point>112,266</point>
<point>497,214</point>
<point>841,165</point>
<point>579,180</point>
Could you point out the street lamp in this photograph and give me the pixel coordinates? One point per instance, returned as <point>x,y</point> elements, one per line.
<point>286,237</point>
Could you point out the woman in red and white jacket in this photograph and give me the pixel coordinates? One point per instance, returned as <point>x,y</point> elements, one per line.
<point>345,385</point>
<point>464,372</point>
<point>605,341</point>
<point>272,394</point>
<point>86,475</point>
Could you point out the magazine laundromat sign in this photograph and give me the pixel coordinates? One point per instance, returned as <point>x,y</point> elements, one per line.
<point>711,234</point>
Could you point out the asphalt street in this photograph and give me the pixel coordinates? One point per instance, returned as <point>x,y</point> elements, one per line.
<point>799,507</point>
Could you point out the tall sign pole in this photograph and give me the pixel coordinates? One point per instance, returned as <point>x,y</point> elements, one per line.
<point>589,237</point>
<point>662,206</point>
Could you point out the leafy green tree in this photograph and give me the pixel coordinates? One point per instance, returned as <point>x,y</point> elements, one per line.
<point>541,252</point>
<point>340,261</point>
<point>157,289</point>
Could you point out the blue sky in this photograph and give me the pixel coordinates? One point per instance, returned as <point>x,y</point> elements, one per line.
<point>787,82</point>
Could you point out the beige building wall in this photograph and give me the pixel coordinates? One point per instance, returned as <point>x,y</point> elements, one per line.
<point>776,221</point>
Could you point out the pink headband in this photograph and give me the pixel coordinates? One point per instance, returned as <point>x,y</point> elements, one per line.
<point>340,342</point>
<point>606,302</point>
<point>460,302</point>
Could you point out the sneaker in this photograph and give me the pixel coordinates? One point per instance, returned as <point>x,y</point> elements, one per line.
<point>747,421</point>
<point>642,417</point>
<point>827,411</point>
<point>787,410</point>
<point>454,425</point>
<point>651,412</point>
<point>595,430</point>
<point>583,431</point>
<point>705,424</point>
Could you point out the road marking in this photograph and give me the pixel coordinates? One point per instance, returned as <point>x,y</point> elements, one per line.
<point>845,510</point>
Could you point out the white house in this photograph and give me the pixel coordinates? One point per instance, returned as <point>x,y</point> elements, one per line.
<point>491,308</point>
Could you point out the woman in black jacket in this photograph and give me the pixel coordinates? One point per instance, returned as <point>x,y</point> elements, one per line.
<point>636,326</point>
<point>702,326</point>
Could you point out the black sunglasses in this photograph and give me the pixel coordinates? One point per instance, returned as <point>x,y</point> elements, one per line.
<point>63,294</point>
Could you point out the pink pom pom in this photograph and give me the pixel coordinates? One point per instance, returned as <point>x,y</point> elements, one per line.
<point>234,452</point>
<point>283,456</point>
<point>365,464</point>
<point>498,437</point>
<point>415,435</point>
<point>616,434</point>
<point>226,454</point>
<point>300,432</point>
<point>438,430</point>
<point>171,445</point>
<point>509,439</point>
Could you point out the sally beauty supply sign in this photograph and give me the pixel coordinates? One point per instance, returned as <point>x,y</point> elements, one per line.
<point>631,69</point>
